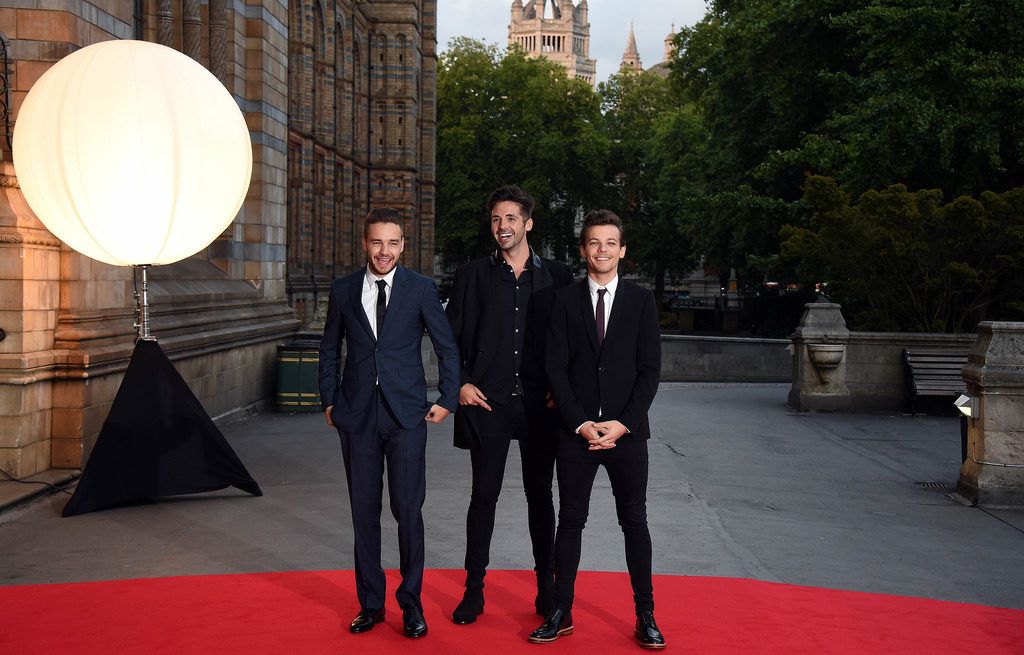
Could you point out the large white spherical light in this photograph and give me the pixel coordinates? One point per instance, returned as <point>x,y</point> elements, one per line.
<point>132,153</point>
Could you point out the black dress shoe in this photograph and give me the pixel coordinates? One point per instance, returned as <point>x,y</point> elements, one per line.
<point>413,623</point>
<point>365,620</point>
<point>647,633</point>
<point>471,606</point>
<point>558,624</point>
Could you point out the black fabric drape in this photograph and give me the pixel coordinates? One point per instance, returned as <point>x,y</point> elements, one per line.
<point>157,441</point>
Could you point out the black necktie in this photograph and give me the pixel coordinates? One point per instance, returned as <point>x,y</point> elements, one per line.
<point>382,304</point>
<point>600,315</point>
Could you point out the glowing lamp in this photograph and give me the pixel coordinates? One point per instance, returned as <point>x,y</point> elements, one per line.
<point>132,153</point>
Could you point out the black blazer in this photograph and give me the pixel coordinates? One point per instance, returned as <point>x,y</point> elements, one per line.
<point>476,321</point>
<point>620,377</point>
<point>394,361</point>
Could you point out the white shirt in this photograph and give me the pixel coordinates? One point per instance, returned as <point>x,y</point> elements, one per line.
<point>369,296</point>
<point>609,298</point>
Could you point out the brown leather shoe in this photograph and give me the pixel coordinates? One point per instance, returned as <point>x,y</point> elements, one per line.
<point>558,624</point>
<point>365,620</point>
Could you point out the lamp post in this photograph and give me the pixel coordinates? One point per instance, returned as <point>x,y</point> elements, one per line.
<point>135,155</point>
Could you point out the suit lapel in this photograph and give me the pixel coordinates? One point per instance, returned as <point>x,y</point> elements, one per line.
<point>356,298</point>
<point>399,294</point>
<point>588,314</point>
<point>620,308</point>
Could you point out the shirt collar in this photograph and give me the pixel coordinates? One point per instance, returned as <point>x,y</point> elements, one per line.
<point>611,286</point>
<point>533,261</point>
<point>371,278</point>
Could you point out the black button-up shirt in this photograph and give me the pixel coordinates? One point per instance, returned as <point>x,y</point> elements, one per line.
<point>504,375</point>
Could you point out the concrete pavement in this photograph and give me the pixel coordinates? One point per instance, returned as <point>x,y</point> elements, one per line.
<point>740,486</point>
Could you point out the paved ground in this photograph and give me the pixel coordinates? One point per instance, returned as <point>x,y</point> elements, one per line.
<point>740,486</point>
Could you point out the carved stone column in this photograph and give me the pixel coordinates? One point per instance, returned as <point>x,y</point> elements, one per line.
<point>165,22</point>
<point>993,473</point>
<point>192,25</point>
<point>219,39</point>
<point>819,359</point>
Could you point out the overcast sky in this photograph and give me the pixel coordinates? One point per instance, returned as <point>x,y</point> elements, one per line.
<point>488,20</point>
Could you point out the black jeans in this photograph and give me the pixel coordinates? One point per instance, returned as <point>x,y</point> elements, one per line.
<point>535,431</point>
<point>626,465</point>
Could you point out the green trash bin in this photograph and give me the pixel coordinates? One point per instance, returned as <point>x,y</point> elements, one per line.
<point>298,388</point>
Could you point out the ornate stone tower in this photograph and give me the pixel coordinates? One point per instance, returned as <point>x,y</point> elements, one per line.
<point>631,57</point>
<point>556,30</point>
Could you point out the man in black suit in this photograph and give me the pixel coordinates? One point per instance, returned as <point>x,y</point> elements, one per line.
<point>379,407</point>
<point>499,310</point>
<point>603,361</point>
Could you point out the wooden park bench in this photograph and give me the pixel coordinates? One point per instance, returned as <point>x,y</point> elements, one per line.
<point>935,371</point>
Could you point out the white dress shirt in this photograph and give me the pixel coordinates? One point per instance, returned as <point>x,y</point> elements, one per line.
<point>609,298</point>
<point>369,295</point>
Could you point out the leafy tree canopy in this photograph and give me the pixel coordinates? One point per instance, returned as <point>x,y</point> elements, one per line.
<point>505,118</point>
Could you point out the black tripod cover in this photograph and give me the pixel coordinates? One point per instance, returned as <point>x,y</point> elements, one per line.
<point>157,441</point>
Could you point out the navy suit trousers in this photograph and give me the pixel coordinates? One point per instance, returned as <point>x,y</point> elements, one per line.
<point>404,453</point>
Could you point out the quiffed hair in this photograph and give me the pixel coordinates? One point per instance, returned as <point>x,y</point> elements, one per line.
<point>511,193</point>
<point>602,217</point>
<point>382,215</point>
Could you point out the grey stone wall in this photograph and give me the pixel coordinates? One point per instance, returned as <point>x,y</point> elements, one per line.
<point>702,359</point>
<point>875,373</point>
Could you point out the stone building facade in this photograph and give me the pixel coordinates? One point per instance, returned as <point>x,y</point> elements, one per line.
<point>338,98</point>
<point>557,30</point>
<point>361,132</point>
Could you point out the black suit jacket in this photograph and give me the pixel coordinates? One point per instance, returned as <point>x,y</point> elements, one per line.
<point>394,361</point>
<point>621,376</point>
<point>475,318</point>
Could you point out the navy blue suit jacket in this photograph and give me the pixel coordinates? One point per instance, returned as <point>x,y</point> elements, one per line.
<point>394,360</point>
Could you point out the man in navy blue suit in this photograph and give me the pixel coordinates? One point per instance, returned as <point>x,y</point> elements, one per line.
<point>380,409</point>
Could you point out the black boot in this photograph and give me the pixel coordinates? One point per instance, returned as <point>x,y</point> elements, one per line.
<point>647,633</point>
<point>558,624</point>
<point>471,606</point>
<point>545,601</point>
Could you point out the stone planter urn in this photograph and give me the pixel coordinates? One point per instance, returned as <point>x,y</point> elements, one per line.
<point>825,357</point>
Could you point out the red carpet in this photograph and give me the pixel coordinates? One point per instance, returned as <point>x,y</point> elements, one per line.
<point>308,612</point>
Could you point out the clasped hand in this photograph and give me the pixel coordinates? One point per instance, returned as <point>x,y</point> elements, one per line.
<point>603,435</point>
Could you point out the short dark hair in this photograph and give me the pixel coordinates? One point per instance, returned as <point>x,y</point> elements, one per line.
<point>382,215</point>
<point>602,217</point>
<point>511,193</point>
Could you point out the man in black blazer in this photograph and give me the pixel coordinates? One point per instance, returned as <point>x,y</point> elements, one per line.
<point>603,361</point>
<point>499,311</point>
<point>379,407</point>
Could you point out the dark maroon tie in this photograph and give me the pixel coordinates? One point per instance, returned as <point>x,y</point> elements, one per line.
<point>600,315</point>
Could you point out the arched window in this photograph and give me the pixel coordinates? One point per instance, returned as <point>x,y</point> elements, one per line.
<point>319,71</point>
<point>400,67</point>
<point>339,83</point>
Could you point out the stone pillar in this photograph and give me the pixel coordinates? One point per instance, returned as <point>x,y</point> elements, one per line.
<point>993,473</point>
<point>29,302</point>
<point>819,359</point>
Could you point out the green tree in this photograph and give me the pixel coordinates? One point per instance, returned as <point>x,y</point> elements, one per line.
<point>505,118</point>
<point>646,148</point>
<point>906,260</point>
<point>871,93</point>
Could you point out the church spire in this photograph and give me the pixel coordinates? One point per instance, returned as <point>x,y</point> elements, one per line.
<point>631,57</point>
